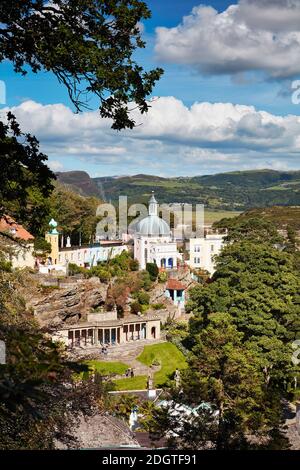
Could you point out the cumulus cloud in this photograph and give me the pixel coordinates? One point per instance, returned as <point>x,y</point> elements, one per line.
<point>173,139</point>
<point>254,35</point>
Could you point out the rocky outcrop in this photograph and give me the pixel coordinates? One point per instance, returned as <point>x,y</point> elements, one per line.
<point>101,431</point>
<point>56,307</point>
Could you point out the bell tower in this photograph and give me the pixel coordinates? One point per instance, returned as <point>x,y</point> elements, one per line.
<point>52,238</point>
<point>153,205</point>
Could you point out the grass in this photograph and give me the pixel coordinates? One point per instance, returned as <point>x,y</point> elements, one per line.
<point>169,357</point>
<point>139,382</point>
<point>214,216</point>
<point>167,354</point>
<point>106,368</point>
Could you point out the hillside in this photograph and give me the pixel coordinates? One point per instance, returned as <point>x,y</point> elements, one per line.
<point>281,217</point>
<point>225,191</point>
<point>80,182</point>
<point>237,191</point>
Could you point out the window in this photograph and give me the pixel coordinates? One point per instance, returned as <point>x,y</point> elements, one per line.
<point>197,248</point>
<point>197,260</point>
<point>212,248</point>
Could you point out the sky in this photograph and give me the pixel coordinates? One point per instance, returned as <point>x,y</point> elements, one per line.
<point>226,101</point>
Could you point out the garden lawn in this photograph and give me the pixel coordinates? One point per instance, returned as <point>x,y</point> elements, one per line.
<point>139,382</point>
<point>169,357</point>
<point>106,368</point>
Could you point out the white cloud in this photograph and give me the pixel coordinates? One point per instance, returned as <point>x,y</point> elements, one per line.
<point>254,35</point>
<point>172,139</point>
<point>55,165</point>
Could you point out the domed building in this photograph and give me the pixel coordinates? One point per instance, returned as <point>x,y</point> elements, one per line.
<point>153,241</point>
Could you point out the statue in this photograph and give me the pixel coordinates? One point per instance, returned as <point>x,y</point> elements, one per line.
<point>177,378</point>
<point>150,382</point>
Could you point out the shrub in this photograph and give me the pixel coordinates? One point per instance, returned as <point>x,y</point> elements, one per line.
<point>158,306</point>
<point>134,265</point>
<point>135,307</point>
<point>41,246</point>
<point>143,298</point>
<point>74,269</point>
<point>101,272</point>
<point>152,270</point>
<point>163,276</point>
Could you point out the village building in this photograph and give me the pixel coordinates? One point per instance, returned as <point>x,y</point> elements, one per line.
<point>202,251</point>
<point>20,241</point>
<point>106,328</point>
<point>153,242</point>
<point>85,256</point>
<point>175,290</point>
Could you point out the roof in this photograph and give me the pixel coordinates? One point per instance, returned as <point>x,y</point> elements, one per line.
<point>127,320</point>
<point>174,284</point>
<point>153,226</point>
<point>7,224</point>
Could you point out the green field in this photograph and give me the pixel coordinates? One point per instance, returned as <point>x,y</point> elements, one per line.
<point>166,354</point>
<point>139,382</point>
<point>106,368</point>
<point>214,216</point>
<point>169,357</point>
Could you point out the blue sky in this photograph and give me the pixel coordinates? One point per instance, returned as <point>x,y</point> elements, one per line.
<point>192,75</point>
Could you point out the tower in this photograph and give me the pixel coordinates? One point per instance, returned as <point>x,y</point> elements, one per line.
<point>52,238</point>
<point>153,205</point>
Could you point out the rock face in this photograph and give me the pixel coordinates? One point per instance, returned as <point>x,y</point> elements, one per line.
<point>56,307</point>
<point>102,431</point>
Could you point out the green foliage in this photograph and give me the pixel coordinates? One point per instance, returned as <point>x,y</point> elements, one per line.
<point>134,265</point>
<point>158,306</point>
<point>41,246</point>
<point>143,298</point>
<point>89,46</point>
<point>74,269</point>
<point>74,213</point>
<point>239,340</point>
<point>163,276</point>
<point>135,308</point>
<point>152,270</point>
<point>25,180</point>
<point>102,272</point>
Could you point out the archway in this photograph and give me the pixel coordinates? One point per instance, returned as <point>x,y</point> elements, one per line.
<point>163,263</point>
<point>170,263</point>
<point>153,332</point>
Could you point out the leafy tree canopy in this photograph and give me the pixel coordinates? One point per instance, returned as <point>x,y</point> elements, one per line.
<point>25,179</point>
<point>87,44</point>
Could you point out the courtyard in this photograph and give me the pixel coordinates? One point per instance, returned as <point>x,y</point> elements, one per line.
<point>159,360</point>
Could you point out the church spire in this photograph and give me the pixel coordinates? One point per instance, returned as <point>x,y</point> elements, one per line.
<point>153,205</point>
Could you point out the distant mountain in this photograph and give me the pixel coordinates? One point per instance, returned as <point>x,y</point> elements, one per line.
<point>80,182</point>
<point>238,190</point>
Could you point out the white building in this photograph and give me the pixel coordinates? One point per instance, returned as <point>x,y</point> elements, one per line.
<point>85,256</point>
<point>203,250</point>
<point>153,242</point>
